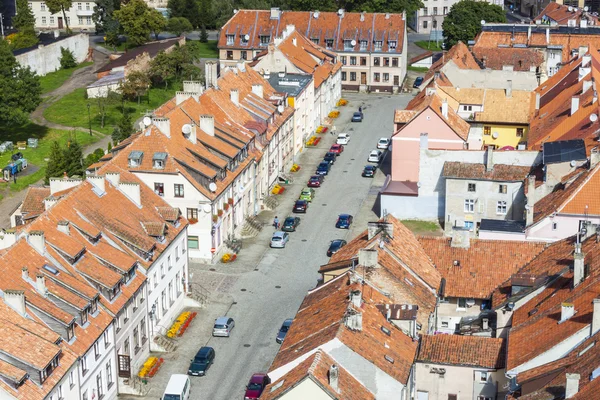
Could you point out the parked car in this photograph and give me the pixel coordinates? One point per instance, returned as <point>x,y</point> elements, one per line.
<point>418,82</point>
<point>283,330</point>
<point>330,157</point>
<point>343,138</point>
<point>307,194</point>
<point>335,246</point>
<point>369,171</point>
<point>375,156</point>
<point>336,148</point>
<point>202,361</point>
<point>383,143</point>
<point>255,387</point>
<point>344,221</point>
<point>279,239</point>
<point>315,181</point>
<point>290,224</point>
<point>300,206</point>
<point>323,168</point>
<point>223,326</point>
<point>357,117</point>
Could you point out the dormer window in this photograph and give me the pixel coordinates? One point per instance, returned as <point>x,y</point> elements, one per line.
<point>329,44</point>
<point>315,40</point>
<point>363,45</point>
<point>392,45</point>
<point>70,332</point>
<point>158,160</point>
<point>84,316</point>
<point>230,39</point>
<point>378,45</point>
<point>264,40</point>
<point>348,44</point>
<point>135,158</point>
<point>244,39</point>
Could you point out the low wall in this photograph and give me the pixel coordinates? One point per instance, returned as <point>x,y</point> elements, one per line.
<point>45,59</point>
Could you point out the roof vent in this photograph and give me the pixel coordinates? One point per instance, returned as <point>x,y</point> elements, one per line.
<point>316,14</point>
<point>341,12</point>
<point>456,263</point>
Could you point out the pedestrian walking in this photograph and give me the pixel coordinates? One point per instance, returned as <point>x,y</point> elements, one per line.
<point>276,222</point>
<point>360,109</point>
<point>333,130</point>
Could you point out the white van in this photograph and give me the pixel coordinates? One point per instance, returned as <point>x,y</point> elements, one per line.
<point>178,388</point>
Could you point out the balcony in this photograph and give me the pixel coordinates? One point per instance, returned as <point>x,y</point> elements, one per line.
<point>85,13</point>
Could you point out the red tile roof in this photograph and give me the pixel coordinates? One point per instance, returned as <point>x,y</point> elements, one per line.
<point>467,351</point>
<point>520,59</point>
<point>33,203</point>
<point>459,54</point>
<point>562,14</point>
<point>500,172</point>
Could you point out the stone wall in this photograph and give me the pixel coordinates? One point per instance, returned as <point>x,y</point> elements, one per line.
<point>46,59</point>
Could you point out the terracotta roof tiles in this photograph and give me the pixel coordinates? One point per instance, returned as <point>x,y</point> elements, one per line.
<point>520,59</point>
<point>468,351</point>
<point>500,172</point>
<point>459,54</point>
<point>33,203</point>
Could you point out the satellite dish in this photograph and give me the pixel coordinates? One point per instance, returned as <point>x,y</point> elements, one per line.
<point>573,163</point>
<point>206,208</point>
<point>186,129</point>
<point>147,121</point>
<point>594,117</point>
<point>213,187</point>
<point>570,9</point>
<point>280,108</point>
<point>247,37</point>
<point>353,42</point>
<point>585,8</point>
<point>483,22</point>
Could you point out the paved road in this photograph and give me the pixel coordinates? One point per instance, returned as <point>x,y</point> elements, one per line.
<point>266,296</point>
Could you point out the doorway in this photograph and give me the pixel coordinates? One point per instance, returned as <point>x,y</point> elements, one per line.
<point>60,23</point>
<point>363,78</point>
<point>396,80</point>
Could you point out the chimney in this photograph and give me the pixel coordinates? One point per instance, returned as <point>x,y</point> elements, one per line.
<point>538,98</point>
<point>529,32</point>
<point>489,163</point>
<point>63,226</point>
<point>509,88</point>
<point>374,228</point>
<point>572,385</point>
<point>567,310</point>
<point>275,12</point>
<point>49,202</point>
<point>194,87</point>
<point>530,200</point>
<point>207,124</point>
<point>192,136</point>
<point>356,298</point>
<point>37,240</point>
<point>113,178</point>
<point>353,320</point>
<point>25,274</point>
<point>234,95</point>
<point>64,183</point>
<point>132,190</point>
<point>578,265</point>
<point>367,257</point>
<point>596,316</point>
<point>163,125</point>
<point>574,104</point>
<point>547,35</point>
<point>98,182</point>
<point>211,74</point>
<point>445,108</point>
<point>40,284</point>
<point>485,324</point>
<point>180,97</point>
<point>257,89</point>
<point>461,238</point>
<point>333,378</point>
<point>587,84</point>
<point>15,299</point>
<point>362,16</point>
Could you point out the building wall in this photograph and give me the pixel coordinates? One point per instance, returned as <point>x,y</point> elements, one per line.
<point>449,314</point>
<point>465,382</point>
<point>307,389</point>
<point>557,227</point>
<point>486,197</point>
<point>506,135</point>
<point>97,367</point>
<point>489,235</point>
<point>63,389</point>
<point>46,59</point>
<point>79,16</point>
<point>102,91</point>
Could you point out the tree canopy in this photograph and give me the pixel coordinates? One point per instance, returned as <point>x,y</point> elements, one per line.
<point>179,25</point>
<point>104,19</point>
<point>19,88</point>
<point>24,20</point>
<point>463,22</point>
<point>56,6</point>
<point>138,20</point>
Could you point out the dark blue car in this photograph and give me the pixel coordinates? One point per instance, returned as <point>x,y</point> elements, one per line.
<point>323,168</point>
<point>344,221</point>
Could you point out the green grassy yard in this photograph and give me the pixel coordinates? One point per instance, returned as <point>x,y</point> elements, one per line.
<point>427,45</point>
<point>54,80</point>
<point>71,110</point>
<point>207,50</point>
<point>417,69</point>
<point>421,227</point>
<point>36,158</point>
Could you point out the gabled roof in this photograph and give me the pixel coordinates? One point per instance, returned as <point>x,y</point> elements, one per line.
<point>33,203</point>
<point>317,367</point>
<point>465,351</point>
<point>499,107</point>
<point>459,54</point>
<point>321,319</point>
<point>475,171</point>
<point>561,14</point>
<point>475,272</point>
<point>520,59</point>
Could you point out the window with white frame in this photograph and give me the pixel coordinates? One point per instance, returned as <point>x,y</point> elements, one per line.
<point>71,379</point>
<point>87,6</point>
<point>109,375</point>
<point>96,350</point>
<point>80,20</point>
<point>43,6</point>
<point>43,20</point>
<point>163,301</point>
<point>230,39</point>
<point>501,208</point>
<point>378,45</point>
<point>99,386</point>
<point>483,376</point>
<point>162,270</point>
<point>363,44</point>
<point>469,205</point>
<point>79,6</point>
<point>51,20</point>
<point>502,189</point>
<point>468,225</point>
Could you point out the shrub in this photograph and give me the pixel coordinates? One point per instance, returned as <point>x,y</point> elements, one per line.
<point>67,59</point>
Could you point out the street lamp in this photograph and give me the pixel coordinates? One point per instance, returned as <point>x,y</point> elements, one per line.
<point>89,118</point>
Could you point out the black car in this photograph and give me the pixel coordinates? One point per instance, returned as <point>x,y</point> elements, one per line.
<point>335,246</point>
<point>323,168</point>
<point>290,224</point>
<point>330,157</point>
<point>369,171</point>
<point>203,360</point>
<point>300,206</point>
<point>283,330</point>
<point>418,82</point>
<point>357,117</point>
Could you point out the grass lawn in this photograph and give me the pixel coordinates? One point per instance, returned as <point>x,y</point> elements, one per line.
<point>427,45</point>
<point>36,158</point>
<point>420,227</point>
<point>71,110</point>
<point>208,50</point>
<point>417,69</point>
<point>55,79</point>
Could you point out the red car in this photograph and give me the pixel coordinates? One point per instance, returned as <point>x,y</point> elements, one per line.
<point>315,181</point>
<point>336,148</point>
<point>256,386</point>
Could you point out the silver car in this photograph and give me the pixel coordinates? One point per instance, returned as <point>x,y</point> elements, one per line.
<point>223,326</point>
<point>279,239</point>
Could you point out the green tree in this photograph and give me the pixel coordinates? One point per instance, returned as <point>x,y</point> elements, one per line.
<point>123,130</point>
<point>156,22</point>
<point>179,25</point>
<point>137,21</point>
<point>136,85</point>
<point>191,72</point>
<point>175,8</point>
<point>203,34</point>
<point>463,22</point>
<point>104,20</point>
<point>19,88</point>
<point>67,59</point>
<point>23,40</point>
<point>73,158</point>
<point>56,163</point>
<point>163,68</point>
<point>56,6</point>
<point>93,157</point>
<point>24,20</point>
<point>205,13</point>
